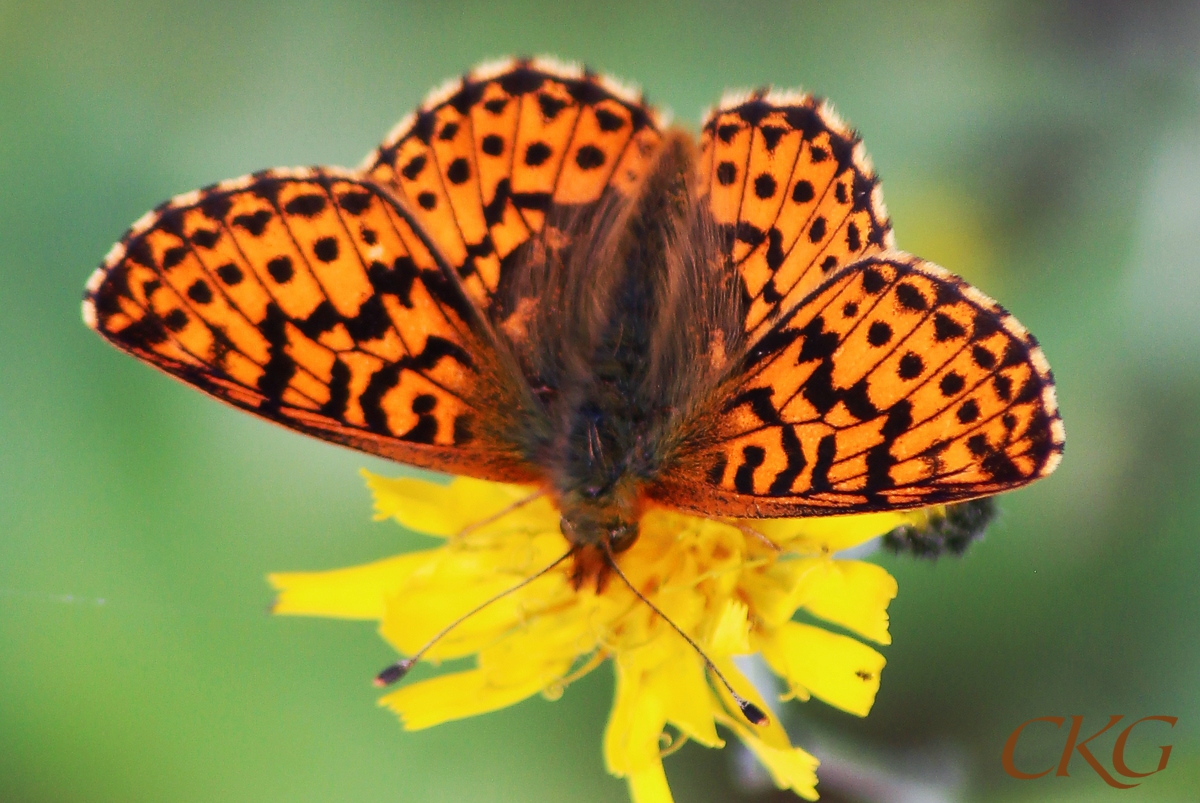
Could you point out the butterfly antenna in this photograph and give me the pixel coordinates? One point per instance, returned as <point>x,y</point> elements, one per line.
<point>749,710</point>
<point>499,514</point>
<point>398,670</point>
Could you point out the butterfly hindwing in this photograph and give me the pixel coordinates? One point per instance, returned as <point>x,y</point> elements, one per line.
<point>894,385</point>
<point>484,160</point>
<point>794,195</point>
<point>311,298</point>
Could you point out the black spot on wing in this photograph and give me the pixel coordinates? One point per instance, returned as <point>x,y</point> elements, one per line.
<point>230,274</point>
<point>910,298</point>
<point>205,238</point>
<point>818,344</point>
<point>759,402</point>
<point>371,399</point>
<point>459,171</point>
<point>339,390</point>
<point>946,328</point>
<point>414,167</point>
<point>173,256</point>
<point>782,483</point>
<point>306,206</point>
<point>280,368</point>
<point>771,135</point>
<point>200,292</point>
<point>281,269</point>
<point>536,153</point>
<point>463,431</point>
<point>818,389</point>
<point>826,451</point>
<point>355,203</point>
<point>322,319</point>
<point>752,458</point>
<point>492,145</point>
<point>589,157</point>
<point>371,321</point>
<point>550,106</point>
<point>911,366</point>
<point>858,401</point>
<point>608,121</point>
<point>396,280</point>
<point>176,320</point>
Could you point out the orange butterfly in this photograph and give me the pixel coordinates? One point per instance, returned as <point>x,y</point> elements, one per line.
<point>531,280</point>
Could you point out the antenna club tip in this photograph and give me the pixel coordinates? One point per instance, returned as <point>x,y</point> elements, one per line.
<point>752,712</point>
<point>393,673</point>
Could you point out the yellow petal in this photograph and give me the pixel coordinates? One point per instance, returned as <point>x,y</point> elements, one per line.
<point>827,534</point>
<point>359,592</point>
<point>835,668</point>
<point>775,591</point>
<point>686,698</point>
<point>461,694</point>
<point>458,580</point>
<point>649,785</point>
<point>637,720</point>
<point>435,509</point>
<point>731,634</point>
<point>853,594</point>
<point>790,767</point>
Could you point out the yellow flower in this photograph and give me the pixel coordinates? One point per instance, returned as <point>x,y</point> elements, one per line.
<point>720,582</point>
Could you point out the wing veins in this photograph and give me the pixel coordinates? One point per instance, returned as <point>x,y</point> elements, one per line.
<point>975,427</point>
<point>187,302</point>
<point>567,149</point>
<point>392,323</point>
<point>745,186</point>
<point>799,234</point>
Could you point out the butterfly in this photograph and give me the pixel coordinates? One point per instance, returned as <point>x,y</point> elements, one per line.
<point>534,280</point>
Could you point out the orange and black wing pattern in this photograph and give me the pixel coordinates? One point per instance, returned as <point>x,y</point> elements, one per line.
<point>893,385</point>
<point>794,195</point>
<point>312,298</point>
<point>484,160</point>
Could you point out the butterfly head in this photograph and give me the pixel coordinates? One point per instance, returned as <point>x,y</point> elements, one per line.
<point>605,519</point>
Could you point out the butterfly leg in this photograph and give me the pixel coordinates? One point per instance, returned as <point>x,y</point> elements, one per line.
<point>756,535</point>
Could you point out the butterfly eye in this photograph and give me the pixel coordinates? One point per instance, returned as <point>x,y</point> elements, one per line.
<point>622,536</point>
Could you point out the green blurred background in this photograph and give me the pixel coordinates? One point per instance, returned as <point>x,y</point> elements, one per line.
<point>1050,153</point>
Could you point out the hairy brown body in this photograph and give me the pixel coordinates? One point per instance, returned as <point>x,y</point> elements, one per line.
<point>620,334</point>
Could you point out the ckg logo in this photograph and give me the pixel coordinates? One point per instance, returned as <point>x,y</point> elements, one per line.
<point>1075,745</point>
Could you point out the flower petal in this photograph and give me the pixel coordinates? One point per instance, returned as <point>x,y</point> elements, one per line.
<point>790,767</point>
<point>458,695</point>
<point>853,594</point>
<point>436,509</point>
<point>461,578</point>
<point>731,632</point>
<point>835,668</point>
<point>649,785</point>
<point>828,534</point>
<point>637,720</point>
<point>686,698</point>
<point>359,592</point>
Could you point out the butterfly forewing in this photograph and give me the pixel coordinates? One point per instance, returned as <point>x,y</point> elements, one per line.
<point>482,163</point>
<point>894,385</point>
<point>311,298</point>
<point>794,194</point>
